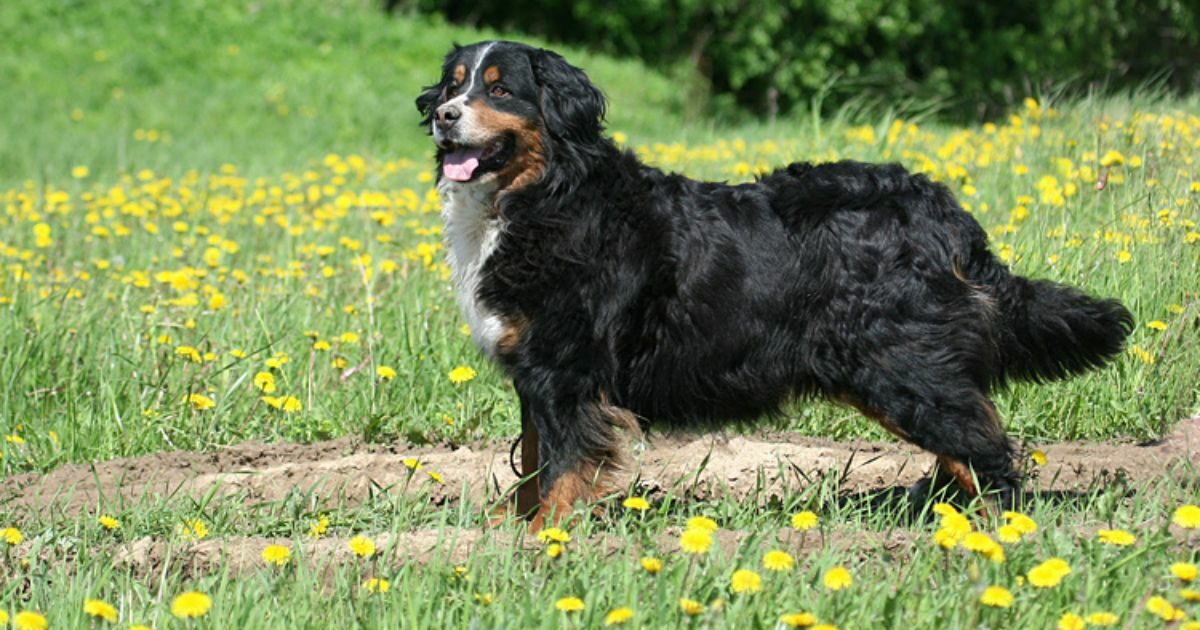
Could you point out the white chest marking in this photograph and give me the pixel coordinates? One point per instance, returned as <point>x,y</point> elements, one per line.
<point>472,231</point>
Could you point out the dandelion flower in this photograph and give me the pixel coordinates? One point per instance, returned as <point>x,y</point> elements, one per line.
<point>1102,618</point>
<point>1117,537</point>
<point>265,382</point>
<point>1049,573</point>
<point>798,620</point>
<point>461,374</point>
<point>1157,324</point>
<point>804,521</point>
<point>3,617</point>
<point>385,373</point>
<point>199,402</point>
<point>435,476</point>
<point>554,550</point>
<point>695,541</point>
<point>553,534</point>
<point>1039,457</point>
<point>1023,524</point>
<point>108,522</point>
<point>485,599</point>
<point>1187,516</point>
<point>1185,571</point>
<point>277,555</point>
<point>1071,621</point>
<point>618,616</point>
<point>745,581</point>
<point>837,579</point>
<point>191,605</point>
<point>100,609</point>
<point>776,560</point>
<point>690,607</point>
<point>703,523</point>
<point>193,529</point>
<point>1189,594</point>
<point>636,503</point>
<point>1163,609</point>
<point>11,535</point>
<point>651,565</point>
<point>983,544</point>
<point>377,585</point>
<point>318,527</point>
<point>29,620</point>
<point>569,604</point>
<point>1008,534</point>
<point>362,546</point>
<point>996,597</point>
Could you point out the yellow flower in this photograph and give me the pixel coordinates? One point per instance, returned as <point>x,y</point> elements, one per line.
<point>11,535</point>
<point>1157,324</point>
<point>837,579</point>
<point>776,560</point>
<point>1049,573</point>
<point>946,538</point>
<point>1071,621</point>
<point>636,503</point>
<point>199,402</point>
<point>1185,571</point>
<point>1187,516</point>
<point>1023,524</point>
<point>569,604</point>
<point>385,373</point>
<point>461,374</point>
<point>1008,534</point>
<point>1039,457</point>
<point>265,382</point>
<point>362,546</point>
<point>189,353</point>
<point>703,523</point>
<point>277,555</point>
<point>485,599</point>
<point>652,565</point>
<point>804,521</point>
<point>79,172</point>
<point>318,527</point>
<point>108,522</point>
<point>435,476</point>
<point>1189,594</point>
<point>1112,158</point>
<point>554,550</point>
<point>691,607</point>
<point>1118,537</point>
<point>191,605</point>
<point>1163,609</point>
<point>193,529</point>
<point>996,597</point>
<point>553,534</point>
<point>695,541</point>
<point>1102,618</point>
<point>745,581</point>
<point>3,617</point>
<point>618,616</point>
<point>377,585</point>
<point>350,338</point>
<point>798,620</point>
<point>983,544</point>
<point>100,609</point>
<point>29,620</point>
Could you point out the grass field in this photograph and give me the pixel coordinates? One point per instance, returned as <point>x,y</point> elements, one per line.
<point>219,225</point>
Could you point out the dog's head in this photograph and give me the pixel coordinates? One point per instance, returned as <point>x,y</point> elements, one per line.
<point>502,107</point>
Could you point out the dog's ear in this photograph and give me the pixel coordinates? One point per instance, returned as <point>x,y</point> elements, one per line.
<point>427,101</point>
<point>572,107</point>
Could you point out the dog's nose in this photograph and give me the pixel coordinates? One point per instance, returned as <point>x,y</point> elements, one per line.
<point>447,115</point>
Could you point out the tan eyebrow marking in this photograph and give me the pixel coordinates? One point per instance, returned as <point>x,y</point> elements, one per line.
<point>460,73</point>
<point>491,75</point>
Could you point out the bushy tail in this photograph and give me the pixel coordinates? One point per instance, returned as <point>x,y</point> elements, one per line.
<point>1050,331</point>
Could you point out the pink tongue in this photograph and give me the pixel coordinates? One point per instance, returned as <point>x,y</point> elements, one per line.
<point>459,165</point>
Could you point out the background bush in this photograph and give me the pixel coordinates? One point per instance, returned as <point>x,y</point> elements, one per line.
<point>973,57</point>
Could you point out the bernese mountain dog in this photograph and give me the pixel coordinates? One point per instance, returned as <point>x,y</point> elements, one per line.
<point>616,295</point>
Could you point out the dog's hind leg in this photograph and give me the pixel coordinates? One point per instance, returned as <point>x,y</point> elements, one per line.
<point>951,418</point>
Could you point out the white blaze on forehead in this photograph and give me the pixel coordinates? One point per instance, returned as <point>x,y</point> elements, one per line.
<point>461,99</point>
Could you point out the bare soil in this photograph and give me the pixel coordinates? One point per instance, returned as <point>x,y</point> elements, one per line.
<point>757,466</point>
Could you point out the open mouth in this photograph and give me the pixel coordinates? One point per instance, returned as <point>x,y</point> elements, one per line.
<point>463,163</point>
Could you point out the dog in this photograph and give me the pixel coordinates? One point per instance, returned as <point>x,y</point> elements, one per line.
<point>616,295</point>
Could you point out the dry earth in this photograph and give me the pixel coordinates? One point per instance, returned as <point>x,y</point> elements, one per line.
<point>344,471</point>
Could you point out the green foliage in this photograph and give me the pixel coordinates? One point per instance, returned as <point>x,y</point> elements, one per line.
<point>775,55</point>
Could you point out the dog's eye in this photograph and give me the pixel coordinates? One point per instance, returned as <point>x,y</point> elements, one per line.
<point>498,91</point>
<point>452,89</point>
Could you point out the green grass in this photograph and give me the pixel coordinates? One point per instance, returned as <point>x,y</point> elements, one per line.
<point>258,151</point>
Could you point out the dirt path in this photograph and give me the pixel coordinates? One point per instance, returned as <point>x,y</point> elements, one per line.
<point>758,465</point>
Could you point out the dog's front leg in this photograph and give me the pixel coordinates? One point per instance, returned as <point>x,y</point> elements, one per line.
<point>575,441</point>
